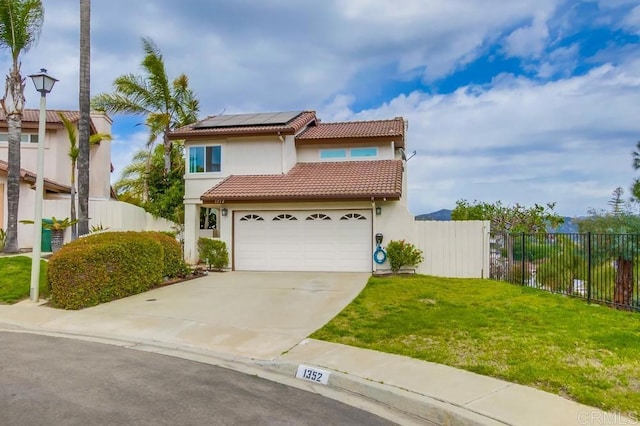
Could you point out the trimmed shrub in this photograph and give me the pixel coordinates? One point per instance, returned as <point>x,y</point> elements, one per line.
<point>174,265</point>
<point>401,253</point>
<point>213,252</point>
<point>104,267</point>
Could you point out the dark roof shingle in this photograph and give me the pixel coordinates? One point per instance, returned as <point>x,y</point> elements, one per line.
<point>315,181</point>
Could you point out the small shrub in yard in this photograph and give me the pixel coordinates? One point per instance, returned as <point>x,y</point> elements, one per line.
<point>401,253</point>
<point>104,267</point>
<point>213,252</point>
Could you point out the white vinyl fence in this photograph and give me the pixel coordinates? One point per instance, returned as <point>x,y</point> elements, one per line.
<point>457,249</point>
<point>115,215</point>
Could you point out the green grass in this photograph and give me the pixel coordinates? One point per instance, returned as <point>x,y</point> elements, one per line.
<point>587,353</point>
<point>15,278</point>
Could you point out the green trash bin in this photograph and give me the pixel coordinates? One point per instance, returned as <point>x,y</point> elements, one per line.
<point>45,244</point>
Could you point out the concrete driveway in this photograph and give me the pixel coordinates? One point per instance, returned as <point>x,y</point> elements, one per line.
<point>257,315</point>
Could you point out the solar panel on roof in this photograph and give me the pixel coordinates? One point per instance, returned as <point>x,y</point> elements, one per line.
<point>248,120</point>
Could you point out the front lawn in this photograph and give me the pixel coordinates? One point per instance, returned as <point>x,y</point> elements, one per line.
<point>587,353</point>
<point>15,278</point>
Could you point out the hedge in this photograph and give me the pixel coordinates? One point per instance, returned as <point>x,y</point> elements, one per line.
<point>174,265</point>
<point>104,267</point>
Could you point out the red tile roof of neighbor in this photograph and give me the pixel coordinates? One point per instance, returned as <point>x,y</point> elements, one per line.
<point>355,129</point>
<point>315,181</point>
<point>291,127</point>
<point>29,176</point>
<point>33,116</point>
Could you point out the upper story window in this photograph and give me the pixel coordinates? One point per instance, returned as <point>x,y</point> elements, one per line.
<point>205,159</point>
<point>327,154</point>
<point>347,153</point>
<point>25,137</point>
<point>364,152</point>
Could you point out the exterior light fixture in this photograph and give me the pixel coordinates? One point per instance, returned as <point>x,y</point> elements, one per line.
<point>378,211</point>
<point>43,83</point>
<point>224,211</point>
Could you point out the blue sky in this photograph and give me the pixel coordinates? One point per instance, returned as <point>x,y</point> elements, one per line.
<point>525,102</point>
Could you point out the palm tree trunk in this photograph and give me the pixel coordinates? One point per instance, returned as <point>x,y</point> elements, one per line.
<point>623,293</point>
<point>13,104</point>
<point>83,125</point>
<point>74,227</point>
<point>13,184</point>
<point>167,152</point>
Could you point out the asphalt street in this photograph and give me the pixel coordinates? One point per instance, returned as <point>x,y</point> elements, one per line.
<point>55,381</point>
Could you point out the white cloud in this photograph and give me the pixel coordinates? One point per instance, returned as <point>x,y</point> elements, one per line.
<point>529,41</point>
<point>632,20</point>
<point>567,141</point>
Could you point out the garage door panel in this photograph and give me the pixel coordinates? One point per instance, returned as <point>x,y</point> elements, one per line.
<point>316,241</point>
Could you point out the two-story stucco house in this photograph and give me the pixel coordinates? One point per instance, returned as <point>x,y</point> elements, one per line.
<point>57,168</point>
<point>287,192</point>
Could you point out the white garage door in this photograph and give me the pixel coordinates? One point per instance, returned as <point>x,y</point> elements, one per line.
<point>331,240</point>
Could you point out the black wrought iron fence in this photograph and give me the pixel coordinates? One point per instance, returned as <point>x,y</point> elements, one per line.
<point>600,268</point>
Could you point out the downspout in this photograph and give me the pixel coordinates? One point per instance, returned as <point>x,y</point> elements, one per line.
<point>373,231</point>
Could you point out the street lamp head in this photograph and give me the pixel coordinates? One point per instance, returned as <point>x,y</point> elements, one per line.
<point>43,82</point>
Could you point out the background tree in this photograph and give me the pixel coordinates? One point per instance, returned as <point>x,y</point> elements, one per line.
<point>506,222</point>
<point>166,105</point>
<point>74,152</point>
<point>618,241</point>
<point>84,99</point>
<point>616,201</point>
<point>516,218</point>
<point>20,25</point>
<point>165,191</point>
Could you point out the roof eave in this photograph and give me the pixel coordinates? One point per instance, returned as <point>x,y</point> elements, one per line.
<point>208,135</point>
<point>281,198</point>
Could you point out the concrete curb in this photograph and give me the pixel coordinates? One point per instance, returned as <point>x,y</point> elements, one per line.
<point>390,402</point>
<point>426,408</point>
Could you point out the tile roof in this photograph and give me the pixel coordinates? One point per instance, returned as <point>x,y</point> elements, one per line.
<point>30,177</point>
<point>355,129</point>
<point>315,181</point>
<point>33,116</point>
<point>291,127</point>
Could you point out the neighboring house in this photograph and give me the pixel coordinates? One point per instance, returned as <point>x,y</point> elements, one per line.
<point>287,192</point>
<point>57,168</point>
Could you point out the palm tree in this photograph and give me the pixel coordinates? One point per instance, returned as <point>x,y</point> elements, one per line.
<point>74,152</point>
<point>85,111</point>
<point>166,105</point>
<point>20,25</point>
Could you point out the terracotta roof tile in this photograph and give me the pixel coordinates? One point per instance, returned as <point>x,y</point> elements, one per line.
<point>33,116</point>
<point>291,127</point>
<point>314,181</point>
<point>29,176</point>
<point>355,129</point>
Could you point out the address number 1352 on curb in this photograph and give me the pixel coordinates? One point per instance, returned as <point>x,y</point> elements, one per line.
<point>312,374</point>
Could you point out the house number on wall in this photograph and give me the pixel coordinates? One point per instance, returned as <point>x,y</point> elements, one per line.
<point>313,374</point>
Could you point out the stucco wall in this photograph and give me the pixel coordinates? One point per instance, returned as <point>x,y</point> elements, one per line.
<point>311,153</point>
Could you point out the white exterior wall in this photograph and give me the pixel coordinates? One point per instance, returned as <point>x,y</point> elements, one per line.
<point>311,153</point>
<point>100,159</point>
<point>57,166</point>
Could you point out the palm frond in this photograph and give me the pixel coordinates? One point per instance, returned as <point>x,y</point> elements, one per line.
<point>20,25</point>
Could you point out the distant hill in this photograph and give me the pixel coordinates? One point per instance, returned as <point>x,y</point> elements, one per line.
<point>568,227</point>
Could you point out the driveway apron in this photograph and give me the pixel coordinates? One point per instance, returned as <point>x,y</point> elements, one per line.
<point>257,315</point>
